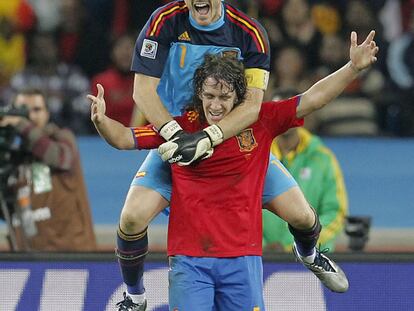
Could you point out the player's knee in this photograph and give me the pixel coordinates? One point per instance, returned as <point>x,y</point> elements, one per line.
<point>132,221</point>
<point>304,219</point>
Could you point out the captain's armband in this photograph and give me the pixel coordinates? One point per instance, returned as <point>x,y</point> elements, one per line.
<point>257,78</point>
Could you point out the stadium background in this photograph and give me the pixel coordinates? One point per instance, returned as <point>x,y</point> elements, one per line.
<point>382,277</point>
<point>378,165</point>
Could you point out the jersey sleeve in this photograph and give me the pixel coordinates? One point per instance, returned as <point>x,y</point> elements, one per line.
<point>257,60</point>
<point>153,43</point>
<point>251,37</point>
<point>257,54</point>
<point>254,39</point>
<point>146,137</point>
<point>279,116</point>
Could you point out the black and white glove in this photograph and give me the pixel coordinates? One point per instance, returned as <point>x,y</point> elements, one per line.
<point>170,129</point>
<point>185,148</point>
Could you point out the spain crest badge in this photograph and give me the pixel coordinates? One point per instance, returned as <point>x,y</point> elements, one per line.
<point>247,141</point>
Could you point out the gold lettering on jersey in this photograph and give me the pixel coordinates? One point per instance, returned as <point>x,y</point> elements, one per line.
<point>183,53</point>
<point>184,36</point>
<point>247,141</point>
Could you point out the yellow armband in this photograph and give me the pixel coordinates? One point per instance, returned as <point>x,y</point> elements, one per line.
<point>257,78</point>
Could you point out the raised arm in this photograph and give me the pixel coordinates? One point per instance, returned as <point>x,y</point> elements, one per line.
<point>118,135</point>
<point>115,133</point>
<point>322,92</point>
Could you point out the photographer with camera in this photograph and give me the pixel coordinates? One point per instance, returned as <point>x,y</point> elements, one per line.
<point>49,189</point>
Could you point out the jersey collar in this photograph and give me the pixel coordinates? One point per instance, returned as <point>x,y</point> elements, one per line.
<point>212,26</point>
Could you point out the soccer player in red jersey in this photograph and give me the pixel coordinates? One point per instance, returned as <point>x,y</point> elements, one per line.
<point>215,228</point>
<point>169,48</point>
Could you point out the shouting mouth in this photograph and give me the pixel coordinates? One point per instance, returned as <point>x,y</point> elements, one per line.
<point>202,8</point>
<point>215,116</point>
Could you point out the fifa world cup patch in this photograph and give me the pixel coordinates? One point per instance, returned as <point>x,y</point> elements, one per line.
<point>149,49</point>
<point>247,141</point>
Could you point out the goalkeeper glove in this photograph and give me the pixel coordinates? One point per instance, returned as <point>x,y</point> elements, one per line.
<point>170,129</point>
<point>185,148</point>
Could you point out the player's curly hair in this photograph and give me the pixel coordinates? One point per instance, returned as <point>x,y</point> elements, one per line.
<point>222,68</point>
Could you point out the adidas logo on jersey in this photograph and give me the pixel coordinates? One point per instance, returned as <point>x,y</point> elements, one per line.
<point>184,36</point>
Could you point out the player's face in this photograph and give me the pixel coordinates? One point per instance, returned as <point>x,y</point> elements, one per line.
<point>204,12</point>
<point>36,106</point>
<point>218,100</point>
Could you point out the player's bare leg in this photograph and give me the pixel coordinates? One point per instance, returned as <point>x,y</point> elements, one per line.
<point>141,206</point>
<point>305,227</point>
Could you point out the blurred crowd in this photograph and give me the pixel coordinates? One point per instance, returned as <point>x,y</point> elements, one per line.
<point>66,46</point>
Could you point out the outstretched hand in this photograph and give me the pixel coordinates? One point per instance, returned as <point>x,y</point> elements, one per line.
<point>363,55</point>
<point>98,105</point>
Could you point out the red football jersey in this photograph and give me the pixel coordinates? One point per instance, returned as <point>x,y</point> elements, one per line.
<point>216,204</point>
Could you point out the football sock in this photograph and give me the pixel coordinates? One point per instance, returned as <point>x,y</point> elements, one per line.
<point>131,251</point>
<point>305,240</point>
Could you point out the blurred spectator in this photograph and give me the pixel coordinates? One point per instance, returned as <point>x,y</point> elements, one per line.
<point>289,70</point>
<point>82,40</point>
<point>84,30</point>
<point>118,17</point>
<point>361,16</point>
<point>88,26</point>
<point>391,19</point>
<point>400,64</point>
<point>138,13</point>
<point>49,186</point>
<point>65,85</point>
<point>118,81</point>
<point>296,26</point>
<point>400,59</point>
<point>348,115</point>
<point>332,54</point>
<point>354,112</point>
<point>319,175</point>
<point>19,13</point>
<point>47,13</point>
<point>16,18</point>
<point>270,7</point>
<point>407,9</point>
<point>326,17</point>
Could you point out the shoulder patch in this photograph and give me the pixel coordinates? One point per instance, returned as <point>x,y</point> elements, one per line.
<point>149,49</point>
<point>247,141</point>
